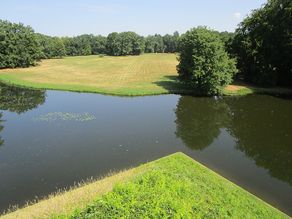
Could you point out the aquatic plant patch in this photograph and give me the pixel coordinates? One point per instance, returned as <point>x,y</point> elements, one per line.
<point>65,116</point>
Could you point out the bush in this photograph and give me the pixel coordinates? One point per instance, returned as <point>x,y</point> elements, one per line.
<point>203,62</point>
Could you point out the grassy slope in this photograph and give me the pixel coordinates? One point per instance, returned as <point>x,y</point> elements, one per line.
<point>131,75</point>
<point>146,74</point>
<point>173,186</point>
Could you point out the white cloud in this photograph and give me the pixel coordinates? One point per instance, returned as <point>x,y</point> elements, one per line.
<point>237,15</point>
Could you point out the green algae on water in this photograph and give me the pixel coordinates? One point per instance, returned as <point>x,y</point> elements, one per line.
<point>65,116</point>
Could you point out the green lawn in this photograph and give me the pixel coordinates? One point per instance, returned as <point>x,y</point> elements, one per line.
<point>175,186</point>
<point>129,75</point>
<point>147,74</point>
<point>178,187</point>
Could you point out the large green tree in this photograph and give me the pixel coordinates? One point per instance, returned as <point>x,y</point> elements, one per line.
<point>19,45</point>
<point>203,61</point>
<point>263,44</point>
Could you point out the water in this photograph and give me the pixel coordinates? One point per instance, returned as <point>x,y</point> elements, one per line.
<point>51,139</point>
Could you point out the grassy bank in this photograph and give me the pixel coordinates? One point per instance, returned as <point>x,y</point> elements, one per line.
<point>173,186</point>
<point>147,74</point>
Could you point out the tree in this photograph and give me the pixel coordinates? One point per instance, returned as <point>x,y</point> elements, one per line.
<point>125,43</point>
<point>19,46</point>
<point>51,47</point>
<point>154,44</point>
<point>171,42</point>
<point>263,45</point>
<point>203,62</point>
<point>98,45</point>
<point>79,45</point>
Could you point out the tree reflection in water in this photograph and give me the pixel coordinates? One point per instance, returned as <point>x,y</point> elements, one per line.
<point>261,125</point>
<point>198,120</point>
<point>1,128</point>
<point>20,100</point>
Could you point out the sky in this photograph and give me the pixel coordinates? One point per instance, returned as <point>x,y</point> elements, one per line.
<point>75,17</point>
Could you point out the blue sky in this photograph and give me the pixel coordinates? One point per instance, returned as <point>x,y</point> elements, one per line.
<point>73,17</point>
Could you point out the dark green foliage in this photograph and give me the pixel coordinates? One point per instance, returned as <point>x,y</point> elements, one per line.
<point>98,45</point>
<point>263,44</point>
<point>52,47</point>
<point>79,45</point>
<point>154,44</point>
<point>125,43</point>
<point>19,46</point>
<point>203,62</point>
<point>170,42</point>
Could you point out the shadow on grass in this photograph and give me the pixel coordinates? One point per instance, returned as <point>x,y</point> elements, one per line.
<point>173,85</point>
<point>247,88</point>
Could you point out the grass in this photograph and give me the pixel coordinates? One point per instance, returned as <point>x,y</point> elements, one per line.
<point>147,74</point>
<point>175,186</point>
<point>239,88</point>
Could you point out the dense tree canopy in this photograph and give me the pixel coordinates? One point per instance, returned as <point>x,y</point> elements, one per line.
<point>154,44</point>
<point>125,43</point>
<point>51,47</point>
<point>19,46</point>
<point>171,42</point>
<point>203,62</point>
<point>78,46</point>
<point>263,44</point>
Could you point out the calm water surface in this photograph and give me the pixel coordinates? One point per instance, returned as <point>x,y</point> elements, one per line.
<point>51,139</point>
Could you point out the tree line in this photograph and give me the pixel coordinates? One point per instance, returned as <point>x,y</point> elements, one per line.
<point>260,50</point>
<point>20,46</point>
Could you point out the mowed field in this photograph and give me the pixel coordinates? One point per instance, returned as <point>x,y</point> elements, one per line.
<point>131,75</point>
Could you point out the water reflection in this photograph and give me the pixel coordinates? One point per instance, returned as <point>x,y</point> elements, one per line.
<point>262,131</point>
<point>20,100</point>
<point>1,128</point>
<point>198,120</point>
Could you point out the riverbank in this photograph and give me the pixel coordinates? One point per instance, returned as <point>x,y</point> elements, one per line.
<point>147,74</point>
<point>175,185</point>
